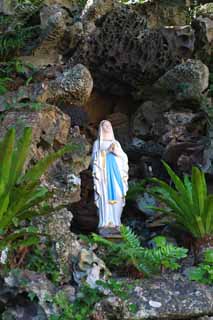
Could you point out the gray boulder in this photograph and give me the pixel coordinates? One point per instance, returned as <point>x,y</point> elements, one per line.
<point>161,297</point>
<point>186,81</point>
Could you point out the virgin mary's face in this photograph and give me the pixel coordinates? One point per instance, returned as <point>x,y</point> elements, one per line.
<point>107,127</point>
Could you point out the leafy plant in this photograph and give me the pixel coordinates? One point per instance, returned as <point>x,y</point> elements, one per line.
<point>211,84</point>
<point>3,84</point>
<point>129,252</point>
<point>21,196</point>
<point>83,306</point>
<point>34,106</point>
<point>16,66</point>
<point>135,189</point>
<point>188,201</point>
<point>16,30</point>
<point>204,272</point>
<point>81,309</point>
<point>82,3</point>
<point>42,260</point>
<point>12,40</point>
<point>132,1</point>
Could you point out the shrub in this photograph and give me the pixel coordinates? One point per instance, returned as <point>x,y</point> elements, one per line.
<point>204,272</point>
<point>129,253</point>
<point>21,196</point>
<point>188,202</point>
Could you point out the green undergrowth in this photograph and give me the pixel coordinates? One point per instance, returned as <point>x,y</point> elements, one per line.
<point>83,306</point>
<point>203,273</point>
<point>130,253</point>
<point>42,259</point>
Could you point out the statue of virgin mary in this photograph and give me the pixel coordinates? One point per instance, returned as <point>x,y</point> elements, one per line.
<point>110,176</point>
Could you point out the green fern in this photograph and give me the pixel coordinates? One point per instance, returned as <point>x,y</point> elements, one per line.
<point>12,40</point>
<point>129,252</point>
<point>203,273</point>
<point>129,237</point>
<point>16,30</point>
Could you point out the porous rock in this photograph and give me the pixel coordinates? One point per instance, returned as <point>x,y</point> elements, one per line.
<point>30,281</point>
<point>164,13</point>
<point>48,47</point>
<point>57,226</point>
<point>203,26</point>
<point>122,53</point>
<point>185,139</point>
<point>186,81</point>
<point>148,121</point>
<point>73,86</point>
<point>161,297</point>
<point>88,267</point>
<point>120,123</point>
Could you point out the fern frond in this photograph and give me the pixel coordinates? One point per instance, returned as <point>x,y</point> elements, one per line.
<point>129,237</point>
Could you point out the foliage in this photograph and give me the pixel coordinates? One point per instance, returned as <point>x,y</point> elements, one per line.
<point>33,106</point>
<point>211,84</point>
<point>30,2</point>
<point>132,1</point>
<point>129,252</point>
<point>17,29</point>
<point>16,66</point>
<point>119,289</point>
<point>192,11</point>
<point>82,3</point>
<point>21,196</point>
<point>81,309</point>
<point>188,201</point>
<point>207,107</point>
<point>42,260</point>
<point>204,272</point>
<point>135,189</point>
<point>83,306</point>
<point>3,84</point>
<point>9,71</point>
<point>15,38</point>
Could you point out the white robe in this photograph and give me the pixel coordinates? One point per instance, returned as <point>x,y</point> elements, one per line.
<point>109,213</point>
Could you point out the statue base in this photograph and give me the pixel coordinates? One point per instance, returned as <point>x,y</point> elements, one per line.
<point>110,232</point>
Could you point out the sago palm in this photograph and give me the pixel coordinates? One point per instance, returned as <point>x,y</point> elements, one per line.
<point>189,203</point>
<point>21,195</point>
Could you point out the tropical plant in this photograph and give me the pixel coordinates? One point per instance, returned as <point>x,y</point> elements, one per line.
<point>3,84</point>
<point>41,259</point>
<point>188,202</point>
<point>12,40</point>
<point>130,253</point>
<point>135,189</point>
<point>204,271</point>
<point>21,195</point>
<point>16,30</point>
<point>82,307</point>
<point>16,66</point>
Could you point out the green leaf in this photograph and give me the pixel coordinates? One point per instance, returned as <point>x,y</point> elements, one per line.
<point>208,256</point>
<point>38,169</point>
<point>4,202</point>
<point>176,180</point>
<point>6,151</point>
<point>20,155</point>
<point>26,242</point>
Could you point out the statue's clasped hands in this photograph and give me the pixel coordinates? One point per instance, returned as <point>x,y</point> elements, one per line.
<point>113,148</point>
